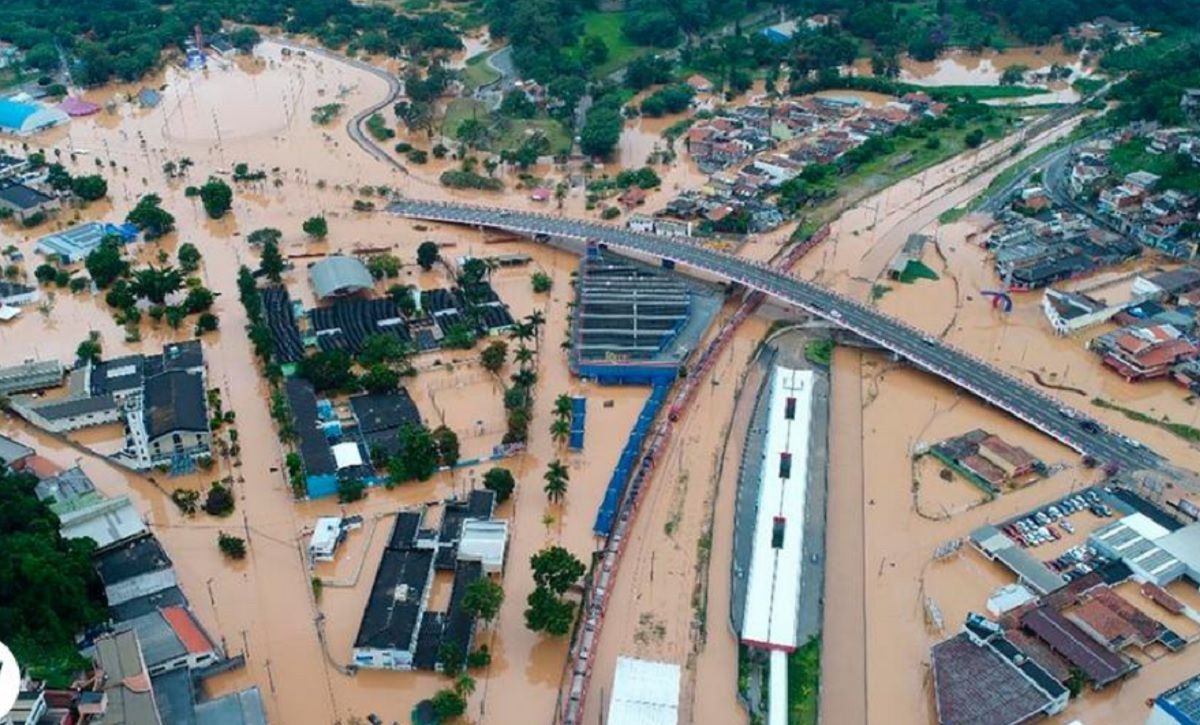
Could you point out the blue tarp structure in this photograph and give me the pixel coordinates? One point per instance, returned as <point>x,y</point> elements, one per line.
<point>629,458</point>
<point>578,418</point>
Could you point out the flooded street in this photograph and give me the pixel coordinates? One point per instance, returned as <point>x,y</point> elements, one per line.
<point>258,111</point>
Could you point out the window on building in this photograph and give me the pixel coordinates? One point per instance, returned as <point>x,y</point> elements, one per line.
<point>789,409</point>
<point>785,465</point>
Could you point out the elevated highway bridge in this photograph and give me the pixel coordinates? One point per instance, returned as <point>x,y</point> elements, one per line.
<point>1069,426</point>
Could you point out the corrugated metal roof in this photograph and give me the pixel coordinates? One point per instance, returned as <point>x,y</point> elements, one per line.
<point>338,275</point>
<point>644,693</point>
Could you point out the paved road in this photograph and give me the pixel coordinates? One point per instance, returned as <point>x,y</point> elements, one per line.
<point>355,126</point>
<point>1054,418</point>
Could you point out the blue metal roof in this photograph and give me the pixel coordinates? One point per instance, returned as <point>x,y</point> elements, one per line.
<point>13,114</point>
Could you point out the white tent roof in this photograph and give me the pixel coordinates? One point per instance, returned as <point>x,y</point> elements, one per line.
<point>347,455</point>
<point>7,313</point>
<point>644,693</point>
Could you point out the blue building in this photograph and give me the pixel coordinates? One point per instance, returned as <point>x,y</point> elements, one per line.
<point>23,119</point>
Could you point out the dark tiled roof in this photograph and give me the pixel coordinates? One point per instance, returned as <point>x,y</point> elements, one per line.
<point>384,411</point>
<point>974,685</point>
<point>130,559</point>
<point>390,620</point>
<point>169,597</point>
<point>1100,665</point>
<point>314,448</point>
<point>21,196</point>
<point>175,402</point>
<point>460,625</point>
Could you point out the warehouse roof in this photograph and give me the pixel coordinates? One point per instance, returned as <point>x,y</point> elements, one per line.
<point>974,685</point>
<point>339,275</point>
<point>644,693</point>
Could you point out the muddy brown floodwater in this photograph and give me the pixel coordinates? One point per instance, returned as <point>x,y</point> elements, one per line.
<point>257,111</point>
<point>263,607</point>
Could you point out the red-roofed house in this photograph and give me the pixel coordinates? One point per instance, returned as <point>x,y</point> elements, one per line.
<point>188,631</point>
<point>1141,353</point>
<point>633,196</point>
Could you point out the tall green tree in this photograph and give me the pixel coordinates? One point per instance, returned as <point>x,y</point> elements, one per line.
<point>271,264</point>
<point>483,599</point>
<point>556,569</point>
<point>500,481</point>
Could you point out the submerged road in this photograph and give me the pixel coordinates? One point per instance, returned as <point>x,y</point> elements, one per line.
<point>1067,425</point>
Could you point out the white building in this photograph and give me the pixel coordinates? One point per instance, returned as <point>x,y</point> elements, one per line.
<point>326,535</point>
<point>1179,705</point>
<point>1134,540</point>
<point>1184,544</point>
<point>1068,312</point>
<point>644,693</point>
<point>773,588</point>
<point>485,541</point>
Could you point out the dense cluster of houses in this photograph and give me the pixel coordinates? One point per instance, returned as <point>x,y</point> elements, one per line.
<point>1157,337</point>
<point>750,151</point>
<point>1037,243</point>
<point>1139,204</point>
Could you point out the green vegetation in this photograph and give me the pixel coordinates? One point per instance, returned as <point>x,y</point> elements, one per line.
<point>804,679</point>
<point>233,547</point>
<point>483,599</point>
<point>555,570</point>
<point>819,352</point>
<point>478,73</point>
<point>501,482</point>
<point>1176,170</point>
<point>1180,430</point>
<point>915,270</point>
<point>469,121</point>
<point>126,38</point>
<point>324,115</point>
<point>217,197</point>
<point>607,26</point>
<point>315,227</point>
<point>878,291</point>
<point>49,591</point>
<point>541,282</point>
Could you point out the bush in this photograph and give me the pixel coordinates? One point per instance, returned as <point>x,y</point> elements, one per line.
<point>461,179</point>
<point>233,547</point>
<point>350,490</point>
<point>610,212</point>
<point>219,501</point>
<point>541,282</point>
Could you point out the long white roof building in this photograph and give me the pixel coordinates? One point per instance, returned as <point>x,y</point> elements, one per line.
<point>773,592</point>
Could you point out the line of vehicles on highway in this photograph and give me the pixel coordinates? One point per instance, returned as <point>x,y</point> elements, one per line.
<point>1043,525</point>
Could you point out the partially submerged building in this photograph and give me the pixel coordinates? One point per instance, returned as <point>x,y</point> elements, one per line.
<point>338,276</point>
<point>31,376</point>
<point>980,678</point>
<point>636,323</point>
<point>74,244</point>
<point>135,568</point>
<point>398,631</point>
<point>23,119</point>
<point>1179,705</point>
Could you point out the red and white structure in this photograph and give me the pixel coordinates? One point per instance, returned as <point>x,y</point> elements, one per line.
<point>777,557</point>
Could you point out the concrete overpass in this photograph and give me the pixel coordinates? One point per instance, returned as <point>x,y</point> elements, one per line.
<point>1067,425</point>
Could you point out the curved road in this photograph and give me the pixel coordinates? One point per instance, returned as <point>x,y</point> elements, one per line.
<point>354,126</point>
<point>1054,418</point>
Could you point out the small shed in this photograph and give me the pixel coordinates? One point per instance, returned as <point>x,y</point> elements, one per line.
<point>644,692</point>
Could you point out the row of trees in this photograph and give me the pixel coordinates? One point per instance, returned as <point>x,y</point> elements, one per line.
<point>126,38</point>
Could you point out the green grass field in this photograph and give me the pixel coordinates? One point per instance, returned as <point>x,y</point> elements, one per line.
<point>478,72</point>
<point>607,27</point>
<point>509,133</point>
<point>459,110</point>
<point>1133,156</point>
<point>804,679</point>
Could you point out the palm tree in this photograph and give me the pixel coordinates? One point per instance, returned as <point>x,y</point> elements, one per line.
<point>536,320</point>
<point>562,406</point>
<point>522,331</point>
<point>560,430</point>
<point>523,356</point>
<point>556,481</point>
<point>464,685</point>
<point>155,284</point>
<point>524,378</point>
